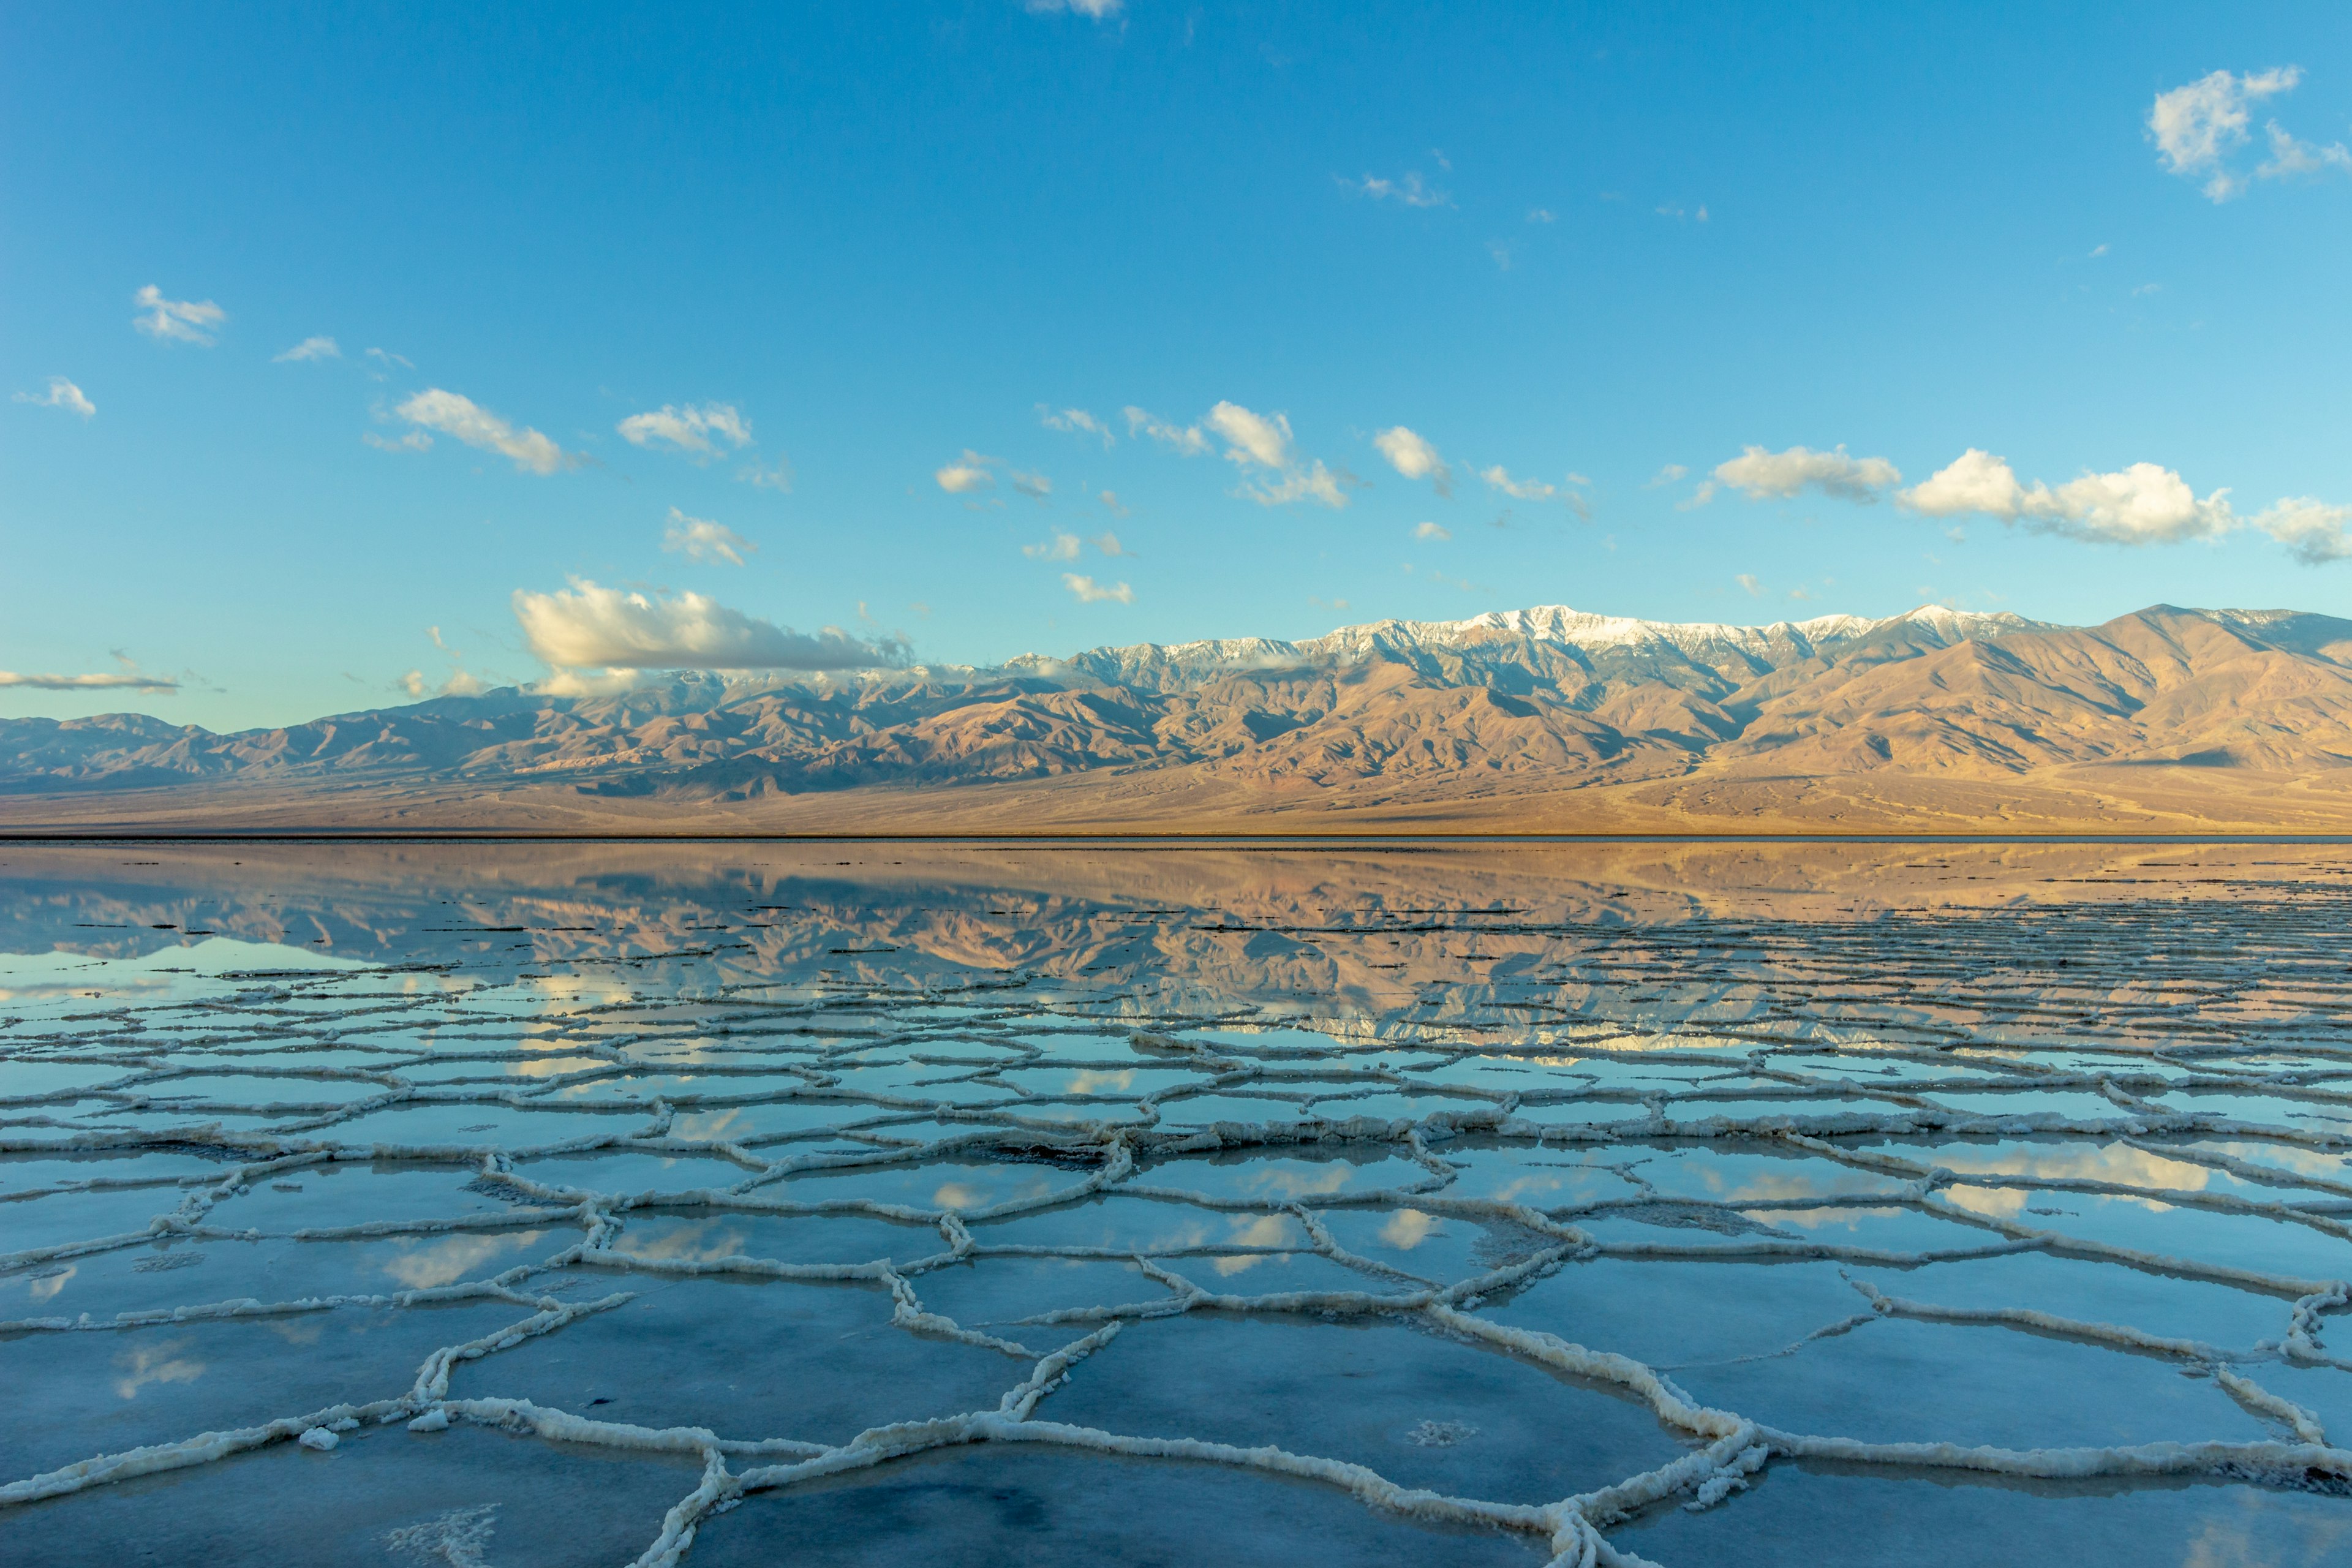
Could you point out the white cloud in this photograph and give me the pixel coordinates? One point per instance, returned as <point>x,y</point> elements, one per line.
<point>2199,127</point>
<point>1090,592</point>
<point>1747,580</point>
<point>587,627</point>
<point>967,474</point>
<point>1037,487</point>
<point>1100,10</point>
<point>1542,214</point>
<point>1410,190</point>
<point>699,539</point>
<point>2142,504</point>
<point>1186,440</point>
<point>466,420</point>
<point>1076,421</point>
<point>1061,547</point>
<point>1252,437</point>
<point>779,478</point>
<point>1110,499</point>
<point>1430,530</point>
<point>1414,458</point>
<point>412,441</point>
<point>309,348</point>
<point>413,683</point>
<point>176,320</point>
<point>1108,542</point>
<point>1315,482</point>
<point>62,394</point>
<point>2313,531</point>
<point>1518,490</point>
<point>697,432</point>
<point>2289,156</point>
<point>132,681</point>
<point>1761,475</point>
<point>1667,476</point>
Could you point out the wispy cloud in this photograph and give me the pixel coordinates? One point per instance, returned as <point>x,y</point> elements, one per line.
<point>1410,190</point>
<point>1498,478</point>
<point>1185,440</point>
<point>1100,10</point>
<point>1089,592</point>
<point>1431,530</point>
<point>1037,487</point>
<point>62,394</point>
<point>1108,542</point>
<point>462,420</point>
<point>1750,585</point>
<point>699,539</point>
<point>1110,499</point>
<point>701,433</point>
<point>1076,422</point>
<point>1413,457</point>
<point>176,320</point>
<point>2200,131</point>
<point>1264,441</point>
<point>587,627</point>
<point>966,474</point>
<point>407,441</point>
<point>779,476</point>
<point>1061,547</point>
<point>2142,504</point>
<point>309,349</point>
<point>1762,475</point>
<point>1672,473</point>
<point>2313,531</point>
<point>128,681</point>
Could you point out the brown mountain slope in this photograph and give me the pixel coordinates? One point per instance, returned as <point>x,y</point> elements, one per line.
<point>1542,720</point>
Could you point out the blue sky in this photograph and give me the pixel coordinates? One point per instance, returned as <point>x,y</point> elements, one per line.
<point>818,254</point>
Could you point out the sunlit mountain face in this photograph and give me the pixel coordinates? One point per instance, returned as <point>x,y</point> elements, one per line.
<point>1438,714</point>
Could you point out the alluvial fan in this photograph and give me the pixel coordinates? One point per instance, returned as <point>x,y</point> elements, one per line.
<point>497,1214</point>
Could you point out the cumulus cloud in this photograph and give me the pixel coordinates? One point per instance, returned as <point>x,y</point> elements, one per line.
<point>1430,530</point>
<point>130,681</point>
<point>1061,547</point>
<point>1185,440</point>
<point>1037,487</point>
<point>1761,475</point>
<point>966,474</point>
<point>2200,128</point>
<point>2290,156</point>
<point>699,539</point>
<point>462,420</point>
<point>1089,592</point>
<point>698,432</point>
<point>1314,482</point>
<point>1252,437</point>
<point>1410,190</point>
<point>1077,422</point>
<point>588,627</point>
<point>308,348</point>
<point>2313,531</point>
<point>62,394</point>
<point>2142,504</point>
<point>1412,456</point>
<point>176,320</point>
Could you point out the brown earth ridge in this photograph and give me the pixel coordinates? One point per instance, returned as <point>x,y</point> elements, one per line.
<point>1541,720</point>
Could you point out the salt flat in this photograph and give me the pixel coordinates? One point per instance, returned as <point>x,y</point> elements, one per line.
<point>873,1203</point>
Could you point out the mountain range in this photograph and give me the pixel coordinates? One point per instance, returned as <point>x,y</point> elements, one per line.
<point>1537,719</point>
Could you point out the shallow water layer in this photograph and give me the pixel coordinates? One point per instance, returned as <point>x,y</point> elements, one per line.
<point>880,1203</point>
